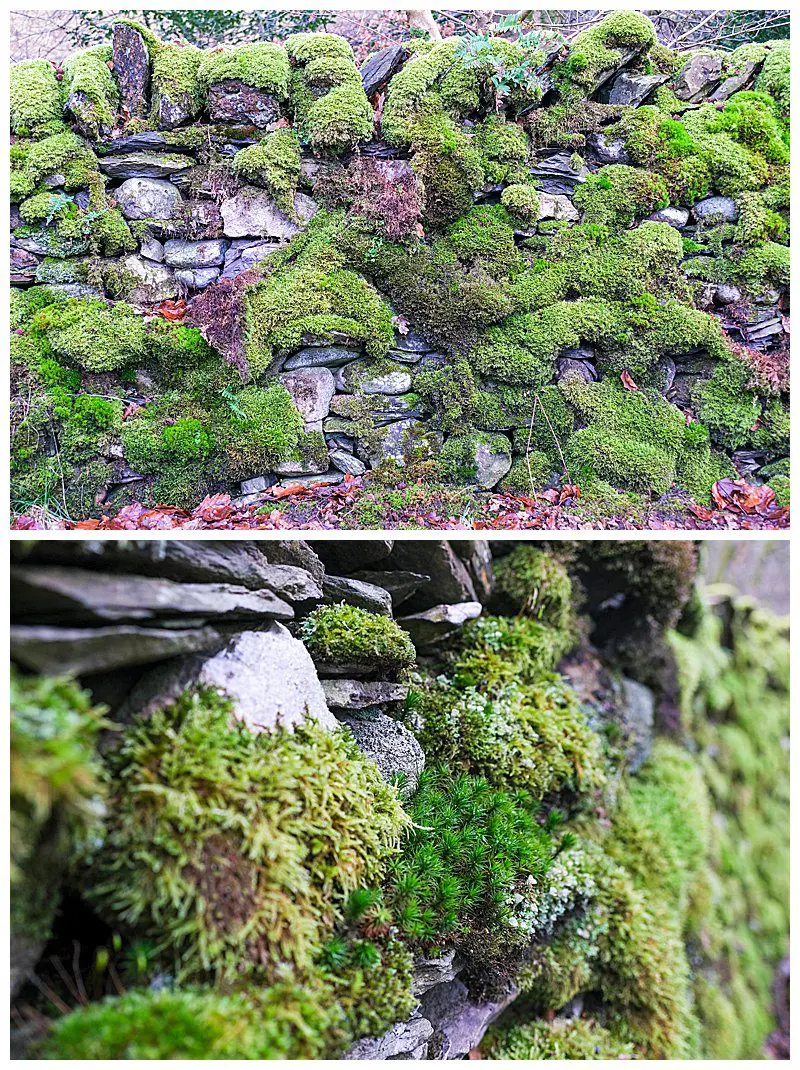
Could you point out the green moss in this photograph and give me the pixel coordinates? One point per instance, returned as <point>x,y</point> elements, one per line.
<point>92,334</point>
<point>616,195</point>
<point>774,77</point>
<point>727,405</point>
<point>764,265</point>
<point>533,582</point>
<point>599,49</point>
<point>503,148</point>
<point>264,429</point>
<point>447,164</point>
<point>780,484</point>
<point>347,634</point>
<point>174,77</point>
<point>561,1038</point>
<point>528,474</point>
<point>88,77</point>
<point>260,64</point>
<point>282,1022</point>
<point>35,99</point>
<point>522,202</point>
<point>305,47</point>
<point>273,163</point>
<point>458,457</point>
<point>62,153</point>
<point>331,109</point>
<point>226,898</point>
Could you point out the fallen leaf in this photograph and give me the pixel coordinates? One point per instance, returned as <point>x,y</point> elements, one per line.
<point>401,323</point>
<point>130,409</point>
<point>171,310</point>
<point>627,381</point>
<point>743,497</point>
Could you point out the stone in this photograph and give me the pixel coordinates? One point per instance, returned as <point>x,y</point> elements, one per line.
<point>152,282</point>
<point>197,278</point>
<point>53,594</point>
<point>252,213</point>
<point>45,242</point>
<point>676,217</point>
<point>195,254</point>
<point>636,718</point>
<point>567,368</point>
<point>459,1021</point>
<point>242,254</point>
<point>293,583</point>
<point>357,593</point>
<point>433,625</point>
<point>256,485</point>
<point>201,220</point>
<point>321,357</point>
<point>131,70</point>
<point>84,116</point>
<point>145,164</point>
<point>47,649</point>
<point>379,68</point>
<point>23,266</point>
<point>362,694</point>
<point>176,108</point>
<point>477,556</point>
<point>305,465</point>
<point>347,462</point>
<point>557,206</point>
<point>411,342</point>
<point>235,103</point>
<point>665,371</point>
<point>633,89</point>
<point>449,579</point>
<point>735,83</point>
<point>152,249</point>
<point>726,293</point>
<point>555,174</point>
<point>394,443</point>
<point>717,207</point>
<point>293,552</point>
<point>608,151</point>
<point>405,1040</point>
<point>323,479</point>
<point>400,584</point>
<point>492,461</point>
<point>268,675</point>
<point>431,972</point>
<point>357,378</point>
<point>697,76</point>
<point>345,557</point>
<point>311,390</point>
<point>405,356</point>
<point>394,749</point>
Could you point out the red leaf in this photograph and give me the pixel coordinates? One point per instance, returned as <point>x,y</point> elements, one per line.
<point>627,381</point>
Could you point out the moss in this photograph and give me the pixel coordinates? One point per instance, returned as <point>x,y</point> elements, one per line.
<point>92,334</point>
<point>599,49</point>
<point>260,64</point>
<point>341,117</point>
<point>528,474</point>
<point>284,1021</point>
<point>174,77</point>
<point>561,1038</point>
<point>727,405</point>
<point>459,456</point>
<point>35,98</point>
<point>305,47</point>
<point>273,163</point>
<point>616,195</point>
<point>262,894</point>
<point>503,148</point>
<point>62,153</point>
<point>522,202</point>
<point>87,75</point>
<point>774,77</point>
<point>264,429</point>
<point>663,145</point>
<point>533,582</point>
<point>448,166</point>
<point>56,792</point>
<point>780,484</point>
<point>763,265</point>
<point>350,635</point>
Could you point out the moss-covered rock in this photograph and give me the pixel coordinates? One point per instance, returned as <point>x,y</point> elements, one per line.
<point>344,634</point>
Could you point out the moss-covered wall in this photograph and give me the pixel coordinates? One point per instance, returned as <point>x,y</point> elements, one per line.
<point>581,276</point>
<point>502,822</point>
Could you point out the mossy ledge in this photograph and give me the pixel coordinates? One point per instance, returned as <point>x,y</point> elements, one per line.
<point>354,833</point>
<point>466,289</point>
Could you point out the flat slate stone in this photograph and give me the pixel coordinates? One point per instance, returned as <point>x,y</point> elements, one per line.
<point>400,585</point>
<point>131,69</point>
<point>357,593</point>
<point>433,625</point>
<point>379,68</point>
<point>52,650</point>
<point>449,581</point>
<point>145,164</point>
<point>252,213</point>
<point>321,357</point>
<point>362,694</point>
<point>239,104</point>
<point>195,254</point>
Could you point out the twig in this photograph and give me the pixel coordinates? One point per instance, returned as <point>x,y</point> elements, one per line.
<point>528,446</point>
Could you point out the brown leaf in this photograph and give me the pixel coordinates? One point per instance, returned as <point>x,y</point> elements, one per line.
<point>627,381</point>
<point>401,323</point>
<point>130,409</point>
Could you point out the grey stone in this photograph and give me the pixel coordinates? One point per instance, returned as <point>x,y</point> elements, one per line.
<point>722,207</point>
<point>377,70</point>
<point>195,254</point>
<point>665,372</point>
<point>433,625</point>
<point>347,463</point>
<point>148,198</point>
<point>431,972</point>
<point>238,104</point>
<point>253,213</point>
<point>633,89</point>
<point>403,1041</point>
<point>608,151</point>
<point>84,116</point>
<point>449,578</point>
<point>153,282</point>
<point>697,76</point>
<point>636,714</point>
<point>323,479</point>
<point>458,1020</point>
<point>152,249</point>
<point>51,650</point>
<point>557,175</point>
<point>131,69</point>
<point>357,593</point>
<point>24,953</point>
<point>345,557</point>
<point>675,217</point>
<point>492,461</point>
<point>307,465</point>
<point>293,552</point>
<point>197,278</point>
<point>735,83</point>
<point>358,377</point>
<point>54,181</point>
<point>567,368</point>
<point>432,362</point>
<point>362,694</point>
<point>311,390</point>
<point>321,357</point>
<point>405,356</point>
<point>394,749</point>
<point>411,342</point>
<point>243,254</point>
<point>176,108</point>
<point>293,583</point>
<point>477,556</point>
<point>255,485</point>
<point>23,266</point>
<point>557,206</point>
<point>45,242</point>
<point>268,675</point>
<point>726,293</point>
<point>145,164</point>
<point>52,594</point>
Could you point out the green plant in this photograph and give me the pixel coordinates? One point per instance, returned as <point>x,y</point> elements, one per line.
<point>349,635</point>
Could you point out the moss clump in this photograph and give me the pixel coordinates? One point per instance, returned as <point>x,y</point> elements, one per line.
<point>727,405</point>
<point>768,264</point>
<point>60,153</point>
<point>260,64</point>
<point>92,334</point>
<point>88,79</point>
<point>459,456</point>
<point>274,164</point>
<point>56,793</point>
<point>616,195</point>
<point>223,897</point>
<point>448,166</point>
<point>35,98</point>
<point>331,108</point>
<point>522,202</point>
<point>774,77</point>
<point>282,1022</point>
<point>535,583</point>
<point>599,49</point>
<point>176,92</point>
<point>561,1038</point>
<point>351,635</point>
